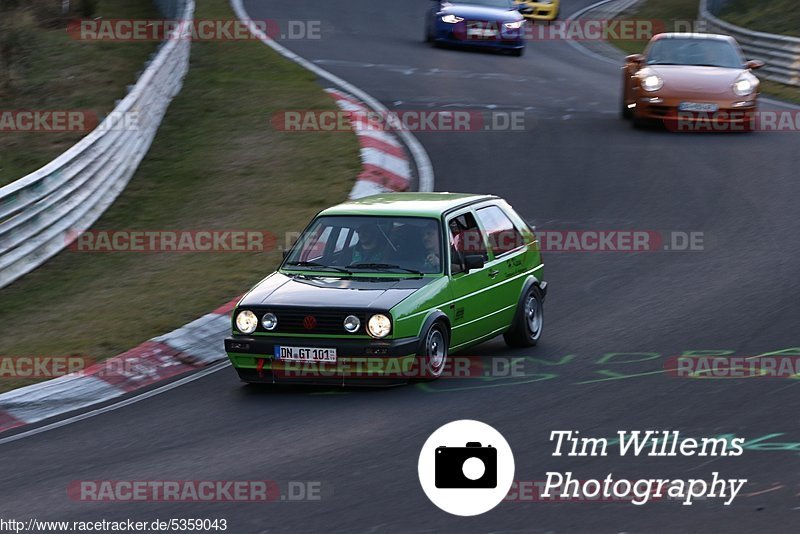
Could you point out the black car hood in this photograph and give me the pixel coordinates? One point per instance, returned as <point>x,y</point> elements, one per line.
<point>311,292</point>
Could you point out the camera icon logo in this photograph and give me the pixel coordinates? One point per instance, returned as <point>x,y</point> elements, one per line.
<point>466,467</point>
<point>472,466</point>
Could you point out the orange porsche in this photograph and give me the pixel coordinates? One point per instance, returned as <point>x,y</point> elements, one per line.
<point>686,79</point>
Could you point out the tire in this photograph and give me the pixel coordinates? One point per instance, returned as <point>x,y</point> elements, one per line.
<point>433,351</point>
<point>428,37</point>
<point>517,52</point>
<point>526,331</point>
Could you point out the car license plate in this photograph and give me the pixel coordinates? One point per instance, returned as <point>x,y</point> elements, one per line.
<point>697,106</point>
<point>481,32</point>
<point>305,354</point>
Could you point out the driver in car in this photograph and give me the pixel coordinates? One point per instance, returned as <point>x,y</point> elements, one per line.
<point>369,248</point>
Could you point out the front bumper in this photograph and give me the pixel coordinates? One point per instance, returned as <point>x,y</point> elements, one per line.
<point>456,35</point>
<point>730,114</point>
<point>538,10</point>
<point>362,362</point>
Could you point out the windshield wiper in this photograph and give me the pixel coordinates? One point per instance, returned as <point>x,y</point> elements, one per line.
<point>318,265</point>
<point>382,267</point>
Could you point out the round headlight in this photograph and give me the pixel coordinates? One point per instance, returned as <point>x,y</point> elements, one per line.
<point>352,323</point>
<point>744,86</point>
<point>379,325</point>
<point>269,321</point>
<point>246,322</point>
<point>652,82</point>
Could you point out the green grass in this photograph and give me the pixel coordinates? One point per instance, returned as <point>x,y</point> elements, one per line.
<point>58,72</point>
<point>215,163</point>
<point>773,16</point>
<point>671,11</point>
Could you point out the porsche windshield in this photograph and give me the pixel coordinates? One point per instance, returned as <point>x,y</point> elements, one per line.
<point>695,52</point>
<point>358,244</point>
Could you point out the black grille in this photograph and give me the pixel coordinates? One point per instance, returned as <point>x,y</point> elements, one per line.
<point>293,321</point>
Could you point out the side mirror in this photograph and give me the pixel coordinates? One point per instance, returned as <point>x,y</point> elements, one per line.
<point>634,58</point>
<point>754,64</point>
<point>473,261</point>
<point>285,253</point>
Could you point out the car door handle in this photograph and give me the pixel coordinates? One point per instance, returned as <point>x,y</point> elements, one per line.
<point>493,273</point>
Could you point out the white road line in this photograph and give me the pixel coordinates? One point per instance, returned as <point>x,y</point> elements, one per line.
<point>117,405</point>
<point>421,159</point>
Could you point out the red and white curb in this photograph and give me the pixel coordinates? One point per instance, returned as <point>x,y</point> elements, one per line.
<point>188,348</point>
<point>386,166</point>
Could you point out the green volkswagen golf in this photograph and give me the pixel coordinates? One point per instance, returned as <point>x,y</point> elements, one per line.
<point>386,287</point>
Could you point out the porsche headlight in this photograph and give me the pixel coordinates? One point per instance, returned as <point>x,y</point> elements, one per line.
<point>379,325</point>
<point>451,19</point>
<point>514,25</point>
<point>246,322</point>
<point>652,82</point>
<point>745,84</point>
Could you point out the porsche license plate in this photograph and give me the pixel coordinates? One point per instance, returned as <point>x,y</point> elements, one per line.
<point>697,106</point>
<point>305,354</point>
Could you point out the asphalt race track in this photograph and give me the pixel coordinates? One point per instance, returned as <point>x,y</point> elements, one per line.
<point>576,166</point>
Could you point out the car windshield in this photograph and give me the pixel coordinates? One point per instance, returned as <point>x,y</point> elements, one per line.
<point>695,52</point>
<point>362,244</point>
<point>499,4</point>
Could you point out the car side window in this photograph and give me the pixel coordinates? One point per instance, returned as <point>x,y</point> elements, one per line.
<point>503,235</point>
<point>466,239</point>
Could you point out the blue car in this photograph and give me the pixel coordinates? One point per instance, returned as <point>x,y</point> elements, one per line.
<point>480,23</point>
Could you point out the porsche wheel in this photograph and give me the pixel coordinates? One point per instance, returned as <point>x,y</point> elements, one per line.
<point>528,322</point>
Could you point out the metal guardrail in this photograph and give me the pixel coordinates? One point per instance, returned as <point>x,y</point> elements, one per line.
<point>780,52</point>
<point>42,213</point>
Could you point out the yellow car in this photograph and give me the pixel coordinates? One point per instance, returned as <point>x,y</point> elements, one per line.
<point>538,10</point>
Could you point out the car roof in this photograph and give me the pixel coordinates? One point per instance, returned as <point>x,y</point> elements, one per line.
<point>688,35</point>
<point>398,204</point>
